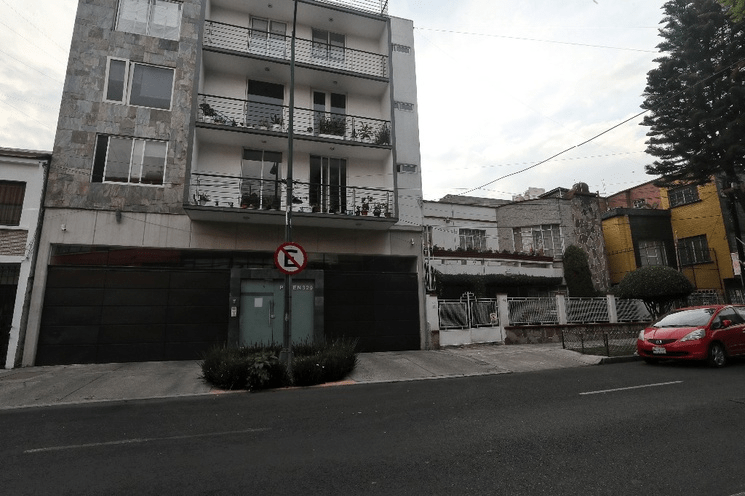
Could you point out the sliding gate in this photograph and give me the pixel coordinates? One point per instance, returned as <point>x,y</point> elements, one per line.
<point>468,312</point>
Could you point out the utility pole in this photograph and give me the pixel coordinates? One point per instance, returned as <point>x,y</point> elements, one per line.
<point>286,355</point>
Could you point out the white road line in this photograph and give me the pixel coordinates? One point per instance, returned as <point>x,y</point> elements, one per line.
<point>138,441</point>
<point>631,387</point>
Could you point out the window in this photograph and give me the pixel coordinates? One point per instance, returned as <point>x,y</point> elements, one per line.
<point>129,160</point>
<point>11,202</point>
<point>693,250</point>
<point>329,113</point>
<point>328,47</point>
<point>139,84</point>
<point>543,240</point>
<point>268,38</point>
<point>328,184</point>
<point>472,239</point>
<point>652,253</point>
<point>159,18</point>
<point>260,185</point>
<point>265,104</point>
<point>683,195</point>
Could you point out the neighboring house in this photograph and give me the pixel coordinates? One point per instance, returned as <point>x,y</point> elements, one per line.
<point>694,230</point>
<point>645,195</point>
<point>21,185</point>
<point>167,196</point>
<point>523,238</point>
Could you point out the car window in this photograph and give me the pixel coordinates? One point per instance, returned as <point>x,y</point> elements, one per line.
<point>686,318</point>
<point>740,311</point>
<point>730,314</point>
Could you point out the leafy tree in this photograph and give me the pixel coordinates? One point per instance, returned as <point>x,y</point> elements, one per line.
<point>737,8</point>
<point>696,97</point>
<point>658,286</point>
<point>577,272</point>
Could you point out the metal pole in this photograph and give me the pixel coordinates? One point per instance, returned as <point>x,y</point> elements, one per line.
<point>286,355</point>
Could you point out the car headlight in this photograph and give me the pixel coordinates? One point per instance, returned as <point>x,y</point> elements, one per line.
<point>641,335</point>
<point>692,336</point>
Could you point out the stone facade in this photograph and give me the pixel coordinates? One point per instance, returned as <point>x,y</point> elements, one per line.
<point>84,114</point>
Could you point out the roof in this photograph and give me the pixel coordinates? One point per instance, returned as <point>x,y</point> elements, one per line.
<point>21,153</point>
<point>473,201</point>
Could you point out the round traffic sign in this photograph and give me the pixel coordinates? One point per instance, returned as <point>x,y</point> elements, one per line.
<point>290,258</point>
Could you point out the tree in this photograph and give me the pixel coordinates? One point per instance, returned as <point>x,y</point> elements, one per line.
<point>658,286</point>
<point>696,97</point>
<point>577,272</point>
<point>736,9</point>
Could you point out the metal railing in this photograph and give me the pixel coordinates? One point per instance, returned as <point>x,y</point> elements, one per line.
<point>601,342</point>
<point>234,112</point>
<point>528,311</point>
<point>373,6</point>
<point>226,191</point>
<point>278,46</point>
<point>587,310</point>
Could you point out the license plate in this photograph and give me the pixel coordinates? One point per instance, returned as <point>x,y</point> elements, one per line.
<point>659,350</point>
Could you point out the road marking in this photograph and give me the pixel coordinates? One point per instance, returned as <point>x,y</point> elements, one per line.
<point>631,387</point>
<point>138,441</point>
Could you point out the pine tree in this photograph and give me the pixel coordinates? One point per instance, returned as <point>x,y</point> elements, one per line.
<point>696,96</point>
<point>737,8</point>
<point>577,272</point>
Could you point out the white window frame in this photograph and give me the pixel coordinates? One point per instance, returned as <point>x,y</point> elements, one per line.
<point>134,142</point>
<point>129,72</point>
<point>149,27</point>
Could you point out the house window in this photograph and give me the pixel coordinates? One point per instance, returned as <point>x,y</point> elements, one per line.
<point>11,202</point>
<point>328,47</point>
<point>541,240</point>
<point>472,239</point>
<point>693,250</point>
<point>328,184</point>
<point>159,18</point>
<point>652,253</point>
<point>139,84</point>
<point>683,195</point>
<point>129,160</point>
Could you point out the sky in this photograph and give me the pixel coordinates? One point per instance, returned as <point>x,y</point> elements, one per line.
<point>503,85</point>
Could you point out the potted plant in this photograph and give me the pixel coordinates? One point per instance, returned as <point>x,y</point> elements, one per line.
<point>366,204</point>
<point>383,135</point>
<point>365,133</point>
<point>377,209</point>
<point>277,122</point>
<point>201,198</point>
<point>264,125</point>
<point>208,114</point>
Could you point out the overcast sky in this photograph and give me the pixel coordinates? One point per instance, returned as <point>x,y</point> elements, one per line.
<point>503,85</point>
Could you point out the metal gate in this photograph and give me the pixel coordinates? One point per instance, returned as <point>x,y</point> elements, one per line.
<point>468,312</point>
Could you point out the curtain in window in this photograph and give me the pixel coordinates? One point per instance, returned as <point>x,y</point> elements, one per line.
<point>11,202</point>
<point>166,19</point>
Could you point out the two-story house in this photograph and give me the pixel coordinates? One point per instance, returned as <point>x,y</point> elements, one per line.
<point>21,186</point>
<point>168,195</point>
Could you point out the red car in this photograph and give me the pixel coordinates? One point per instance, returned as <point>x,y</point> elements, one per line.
<point>712,333</point>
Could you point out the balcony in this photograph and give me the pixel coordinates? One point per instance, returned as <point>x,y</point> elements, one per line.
<point>239,114</point>
<point>246,41</point>
<point>225,198</point>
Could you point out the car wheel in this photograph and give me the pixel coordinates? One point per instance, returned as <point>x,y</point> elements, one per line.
<point>717,356</point>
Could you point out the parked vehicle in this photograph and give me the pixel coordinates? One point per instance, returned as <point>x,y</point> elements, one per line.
<point>712,333</point>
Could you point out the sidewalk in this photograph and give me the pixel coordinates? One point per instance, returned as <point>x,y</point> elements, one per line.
<point>76,384</point>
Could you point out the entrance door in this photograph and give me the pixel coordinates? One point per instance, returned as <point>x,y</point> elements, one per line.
<point>262,312</point>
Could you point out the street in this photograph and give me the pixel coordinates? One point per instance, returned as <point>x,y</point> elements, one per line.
<point>614,429</point>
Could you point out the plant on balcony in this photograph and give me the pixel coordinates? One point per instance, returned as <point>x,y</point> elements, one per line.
<point>336,126</point>
<point>366,200</point>
<point>378,209</point>
<point>201,198</point>
<point>365,132</point>
<point>383,135</point>
<point>277,122</point>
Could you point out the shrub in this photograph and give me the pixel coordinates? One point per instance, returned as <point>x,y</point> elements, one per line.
<point>258,367</point>
<point>577,272</point>
<point>659,287</point>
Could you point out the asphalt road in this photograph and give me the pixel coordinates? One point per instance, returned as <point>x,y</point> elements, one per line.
<point>614,429</point>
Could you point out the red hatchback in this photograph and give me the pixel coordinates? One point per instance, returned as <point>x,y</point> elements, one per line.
<point>713,333</point>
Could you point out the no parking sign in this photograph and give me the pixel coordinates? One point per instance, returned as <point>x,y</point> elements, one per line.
<point>290,258</point>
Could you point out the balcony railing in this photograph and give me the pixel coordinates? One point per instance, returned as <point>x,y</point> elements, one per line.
<point>374,6</point>
<point>224,191</point>
<point>268,117</point>
<point>277,46</point>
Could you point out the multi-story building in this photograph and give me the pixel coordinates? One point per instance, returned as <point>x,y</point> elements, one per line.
<point>167,195</point>
<point>21,185</point>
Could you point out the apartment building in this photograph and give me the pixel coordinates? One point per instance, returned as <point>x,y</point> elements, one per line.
<point>167,196</point>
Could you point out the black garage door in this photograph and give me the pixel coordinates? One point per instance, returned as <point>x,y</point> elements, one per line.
<point>379,309</point>
<point>97,315</point>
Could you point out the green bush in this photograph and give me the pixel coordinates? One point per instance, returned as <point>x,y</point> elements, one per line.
<point>258,367</point>
<point>659,287</point>
<point>577,272</point>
